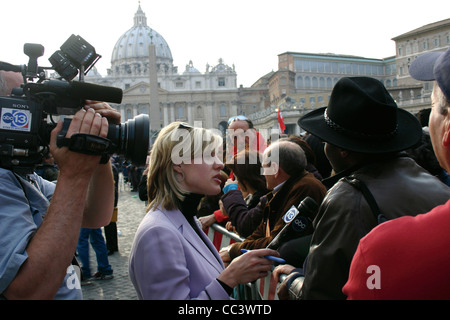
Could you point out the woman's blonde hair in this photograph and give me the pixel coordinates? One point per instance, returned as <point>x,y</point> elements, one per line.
<point>177,143</point>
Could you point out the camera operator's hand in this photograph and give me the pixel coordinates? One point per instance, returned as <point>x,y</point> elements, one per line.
<point>85,170</point>
<point>105,110</point>
<point>84,121</point>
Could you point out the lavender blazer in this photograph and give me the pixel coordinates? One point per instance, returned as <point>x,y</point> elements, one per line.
<point>169,261</point>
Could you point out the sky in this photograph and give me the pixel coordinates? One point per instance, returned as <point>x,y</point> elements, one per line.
<point>249,34</point>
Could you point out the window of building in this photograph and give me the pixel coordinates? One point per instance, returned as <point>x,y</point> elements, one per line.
<point>200,112</point>
<point>307,82</point>
<point>322,82</point>
<point>179,84</point>
<point>436,42</point>
<point>313,65</point>
<point>329,83</point>
<point>334,67</point>
<point>198,84</point>
<point>180,112</point>
<point>348,68</point>
<point>221,82</point>
<point>223,110</point>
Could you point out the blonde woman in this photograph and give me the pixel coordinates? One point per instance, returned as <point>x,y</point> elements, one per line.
<point>171,257</point>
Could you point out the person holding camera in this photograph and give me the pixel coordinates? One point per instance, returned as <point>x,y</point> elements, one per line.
<point>41,221</point>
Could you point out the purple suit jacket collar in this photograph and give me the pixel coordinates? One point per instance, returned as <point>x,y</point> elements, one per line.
<point>204,246</point>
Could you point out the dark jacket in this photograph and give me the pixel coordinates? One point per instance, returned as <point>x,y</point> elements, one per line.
<point>399,186</point>
<point>274,206</point>
<point>244,217</point>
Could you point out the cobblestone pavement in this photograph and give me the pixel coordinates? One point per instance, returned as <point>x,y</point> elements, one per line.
<point>131,212</point>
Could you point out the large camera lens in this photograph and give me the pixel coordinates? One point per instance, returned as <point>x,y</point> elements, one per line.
<point>131,139</point>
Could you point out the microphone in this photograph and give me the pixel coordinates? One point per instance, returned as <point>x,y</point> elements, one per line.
<point>10,67</point>
<point>90,91</point>
<point>298,222</point>
<point>77,90</point>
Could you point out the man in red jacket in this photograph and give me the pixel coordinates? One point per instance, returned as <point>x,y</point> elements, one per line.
<point>407,258</point>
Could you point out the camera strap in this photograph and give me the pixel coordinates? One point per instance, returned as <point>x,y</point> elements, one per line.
<point>86,144</point>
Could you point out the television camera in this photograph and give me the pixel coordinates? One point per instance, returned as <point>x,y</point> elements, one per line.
<point>27,115</point>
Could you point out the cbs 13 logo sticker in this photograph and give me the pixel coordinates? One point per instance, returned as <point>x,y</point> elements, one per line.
<point>14,119</point>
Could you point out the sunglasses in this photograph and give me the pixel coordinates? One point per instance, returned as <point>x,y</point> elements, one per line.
<point>184,125</point>
<point>240,117</point>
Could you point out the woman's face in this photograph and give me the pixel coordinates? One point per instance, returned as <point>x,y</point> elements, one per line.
<point>202,177</point>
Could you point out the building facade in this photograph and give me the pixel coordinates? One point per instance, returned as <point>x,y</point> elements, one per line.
<point>304,81</point>
<point>210,97</point>
<point>142,65</point>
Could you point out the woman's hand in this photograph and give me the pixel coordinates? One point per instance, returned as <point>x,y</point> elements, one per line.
<point>248,267</point>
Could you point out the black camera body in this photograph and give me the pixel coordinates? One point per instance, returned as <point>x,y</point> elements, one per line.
<point>22,131</point>
<point>26,116</point>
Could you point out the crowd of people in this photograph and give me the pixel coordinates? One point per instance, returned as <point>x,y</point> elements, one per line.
<point>378,176</point>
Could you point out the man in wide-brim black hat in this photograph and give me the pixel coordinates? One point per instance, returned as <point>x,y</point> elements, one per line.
<point>363,117</point>
<point>364,133</point>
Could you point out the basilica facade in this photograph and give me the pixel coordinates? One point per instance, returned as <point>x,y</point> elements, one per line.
<point>142,66</point>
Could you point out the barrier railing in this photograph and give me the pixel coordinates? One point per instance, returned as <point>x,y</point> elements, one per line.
<point>221,237</point>
<point>261,289</point>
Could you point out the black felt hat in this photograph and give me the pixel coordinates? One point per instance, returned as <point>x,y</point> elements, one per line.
<point>362,116</point>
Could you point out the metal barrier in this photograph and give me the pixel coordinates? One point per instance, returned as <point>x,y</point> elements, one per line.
<point>221,237</point>
<point>261,289</point>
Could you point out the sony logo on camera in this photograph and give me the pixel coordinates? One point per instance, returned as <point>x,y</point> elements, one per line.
<point>20,106</point>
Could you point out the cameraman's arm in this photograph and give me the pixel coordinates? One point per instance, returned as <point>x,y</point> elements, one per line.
<point>100,197</point>
<point>51,249</point>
